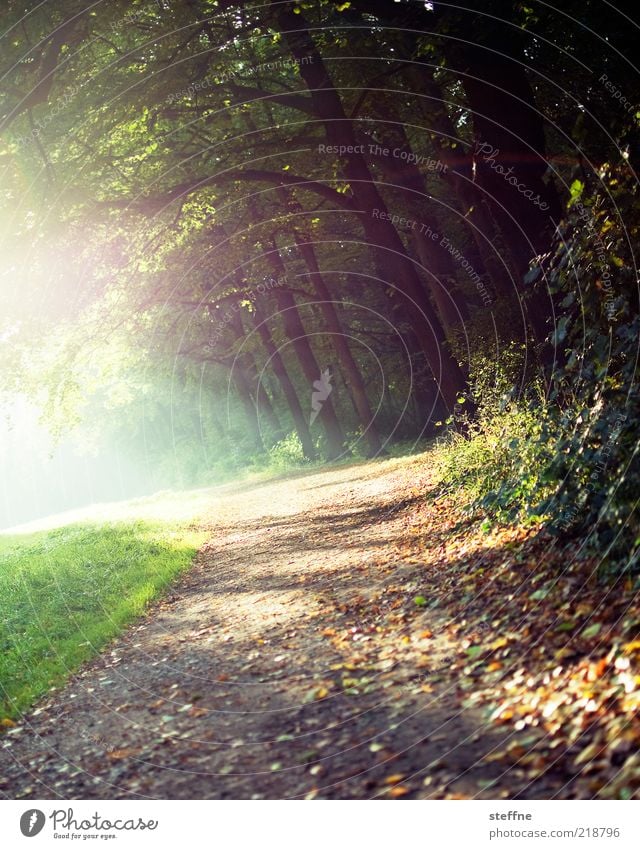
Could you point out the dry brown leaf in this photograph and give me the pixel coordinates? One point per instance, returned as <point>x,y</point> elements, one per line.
<point>397,792</point>
<point>121,754</point>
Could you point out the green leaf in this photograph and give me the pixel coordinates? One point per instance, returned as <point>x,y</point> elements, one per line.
<point>538,595</point>
<point>532,275</point>
<point>575,192</point>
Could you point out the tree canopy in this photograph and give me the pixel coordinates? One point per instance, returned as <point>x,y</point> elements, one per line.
<point>323,227</point>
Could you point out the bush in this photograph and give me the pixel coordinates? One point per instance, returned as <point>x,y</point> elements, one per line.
<point>499,462</point>
<point>569,458</point>
<point>287,453</point>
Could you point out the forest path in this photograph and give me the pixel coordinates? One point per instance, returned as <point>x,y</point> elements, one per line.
<point>291,661</point>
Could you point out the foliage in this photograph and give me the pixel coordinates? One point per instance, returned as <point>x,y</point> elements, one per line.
<point>570,457</point>
<point>499,461</point>
<point>286,454</point>
<point>595,462</point>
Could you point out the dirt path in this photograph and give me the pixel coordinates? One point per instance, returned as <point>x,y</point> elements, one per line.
<point>292,661</point>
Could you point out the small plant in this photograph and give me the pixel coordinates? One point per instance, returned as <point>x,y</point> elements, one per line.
<point>287,453</point>
<point>500,459</point>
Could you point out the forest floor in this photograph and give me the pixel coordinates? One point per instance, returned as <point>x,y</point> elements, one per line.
<point>347,634</point>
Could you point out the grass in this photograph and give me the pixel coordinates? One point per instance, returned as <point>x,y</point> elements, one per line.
<point>66,592</point>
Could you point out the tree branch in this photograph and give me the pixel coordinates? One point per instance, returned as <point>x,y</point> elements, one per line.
<point>249,94</point>
<point>155,204</point>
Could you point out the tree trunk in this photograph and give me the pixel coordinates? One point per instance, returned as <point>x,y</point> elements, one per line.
<point>354,380</point>
<point>435,259</point>
<point>458,174</point>
<point>353,376</point>
<point>395,266</point>
<point>509,153</point>
<point>243,389</point>
<point>298,336</point>
<point>247,363</point>
<point>288,389</point>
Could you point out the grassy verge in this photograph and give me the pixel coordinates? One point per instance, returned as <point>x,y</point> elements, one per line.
<point>64,593</point>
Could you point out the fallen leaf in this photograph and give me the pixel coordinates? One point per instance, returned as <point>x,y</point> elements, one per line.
<point>397,792</point>
<point>121,754</point>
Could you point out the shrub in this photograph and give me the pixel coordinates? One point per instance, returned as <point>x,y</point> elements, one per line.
<point>569,457</point>
<point>287,453</point>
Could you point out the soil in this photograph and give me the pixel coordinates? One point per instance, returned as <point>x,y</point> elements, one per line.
<point>301,657</point>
